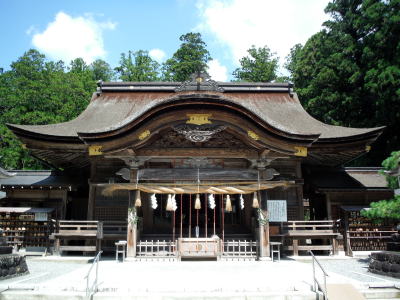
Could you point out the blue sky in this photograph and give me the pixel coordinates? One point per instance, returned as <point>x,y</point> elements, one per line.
<point>65,29</point>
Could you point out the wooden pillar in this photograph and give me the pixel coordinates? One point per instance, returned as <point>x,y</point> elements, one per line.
<point>132,217</point>
<point>328,206</point>
<point>91,201</point>
<point>263,229</point>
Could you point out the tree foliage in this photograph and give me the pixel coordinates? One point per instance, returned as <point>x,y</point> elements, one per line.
<point>137,66</point>
<point>349,73</point>
<point>191,57</point>
<point>37,91</point>
<point>260,65</point>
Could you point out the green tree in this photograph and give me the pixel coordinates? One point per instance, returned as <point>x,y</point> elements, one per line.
<point>192,56</point>
<point>101,70</point>
<point>292,59</point>
<point>260,66</point>
<point>387,208</point>
<point>37,91</point>
<point>137,66</point>
<point>349,73</point>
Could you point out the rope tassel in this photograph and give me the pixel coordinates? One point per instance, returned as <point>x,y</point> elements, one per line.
<point>197,204</point>
<point>169,203</point>
<point>138,200</point>
<point>255,201</point>
<point>228,205</point>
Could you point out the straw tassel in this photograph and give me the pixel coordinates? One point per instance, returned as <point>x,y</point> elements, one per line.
<point>255,201</point>
<point>169,203</point>
<point>197,204</point>
<point>228,205</point>
<point>138,200</point>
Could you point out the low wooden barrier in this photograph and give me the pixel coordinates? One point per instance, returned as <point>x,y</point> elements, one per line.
<point>155,249</point>
<point>199,247</point>
<point>78,231</point>
<point>297,232</point>
<point>240,249</point>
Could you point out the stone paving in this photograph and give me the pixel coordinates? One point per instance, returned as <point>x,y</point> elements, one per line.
<point>67,274</point>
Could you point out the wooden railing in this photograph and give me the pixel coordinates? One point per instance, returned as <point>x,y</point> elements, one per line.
<point>78,231</point>
<point>155,249</point>
<point>297,232</point>
<point>240,249</point>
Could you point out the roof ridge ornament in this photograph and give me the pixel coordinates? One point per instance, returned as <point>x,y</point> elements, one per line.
<point>200,81</point>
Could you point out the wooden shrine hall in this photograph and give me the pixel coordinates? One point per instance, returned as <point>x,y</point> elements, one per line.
<point>203,166</point>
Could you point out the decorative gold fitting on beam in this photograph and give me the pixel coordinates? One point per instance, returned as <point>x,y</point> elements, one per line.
<point>300,151</point>
<point>95,150</point>
<point>367,148</point>
<point>253,135</point>
<point>199,119</point>
<point>144,135</point>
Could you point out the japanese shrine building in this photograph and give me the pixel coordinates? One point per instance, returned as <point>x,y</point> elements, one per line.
<point>245,140</point>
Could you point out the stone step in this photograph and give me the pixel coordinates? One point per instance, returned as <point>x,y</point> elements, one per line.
<point>381,293</point>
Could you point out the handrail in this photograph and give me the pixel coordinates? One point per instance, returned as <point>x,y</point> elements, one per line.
<point>315,280</point>
<point>93,289</point>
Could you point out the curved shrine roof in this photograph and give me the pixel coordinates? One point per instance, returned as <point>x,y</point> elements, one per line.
<point>118,104</point>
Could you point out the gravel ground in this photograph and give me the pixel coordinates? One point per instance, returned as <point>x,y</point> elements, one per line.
<point>354,268</point>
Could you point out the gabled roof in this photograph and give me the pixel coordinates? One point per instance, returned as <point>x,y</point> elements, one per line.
<point>118,103</point>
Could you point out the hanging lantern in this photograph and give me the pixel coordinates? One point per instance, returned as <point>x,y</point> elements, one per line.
<point>197,204</point>
<point>138,200</point>
<point>169,203</point>
<point>153,199</point>
<point>228,204</point>
<point>241,202</point>
<point>174,205</point>
<point>255,201</point>
<point>211,201</point>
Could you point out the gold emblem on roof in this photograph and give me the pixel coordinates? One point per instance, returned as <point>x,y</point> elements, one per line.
<point>199,119</point>
<point>95,150</point>
<point>144,135</point>
<point>300,151</point>
<point>253,135</point>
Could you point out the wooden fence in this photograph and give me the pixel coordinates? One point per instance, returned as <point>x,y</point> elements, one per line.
<point>240,249</point>
<point>156,249</point>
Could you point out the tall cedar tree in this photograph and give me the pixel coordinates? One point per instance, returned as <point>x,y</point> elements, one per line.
<point>349,73</point>
<point>192,56</point>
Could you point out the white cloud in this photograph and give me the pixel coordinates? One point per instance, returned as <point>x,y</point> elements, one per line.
<point>157,54</point>
<point>217,71</point>
<point>239,24</point>
<point>67,38</point>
